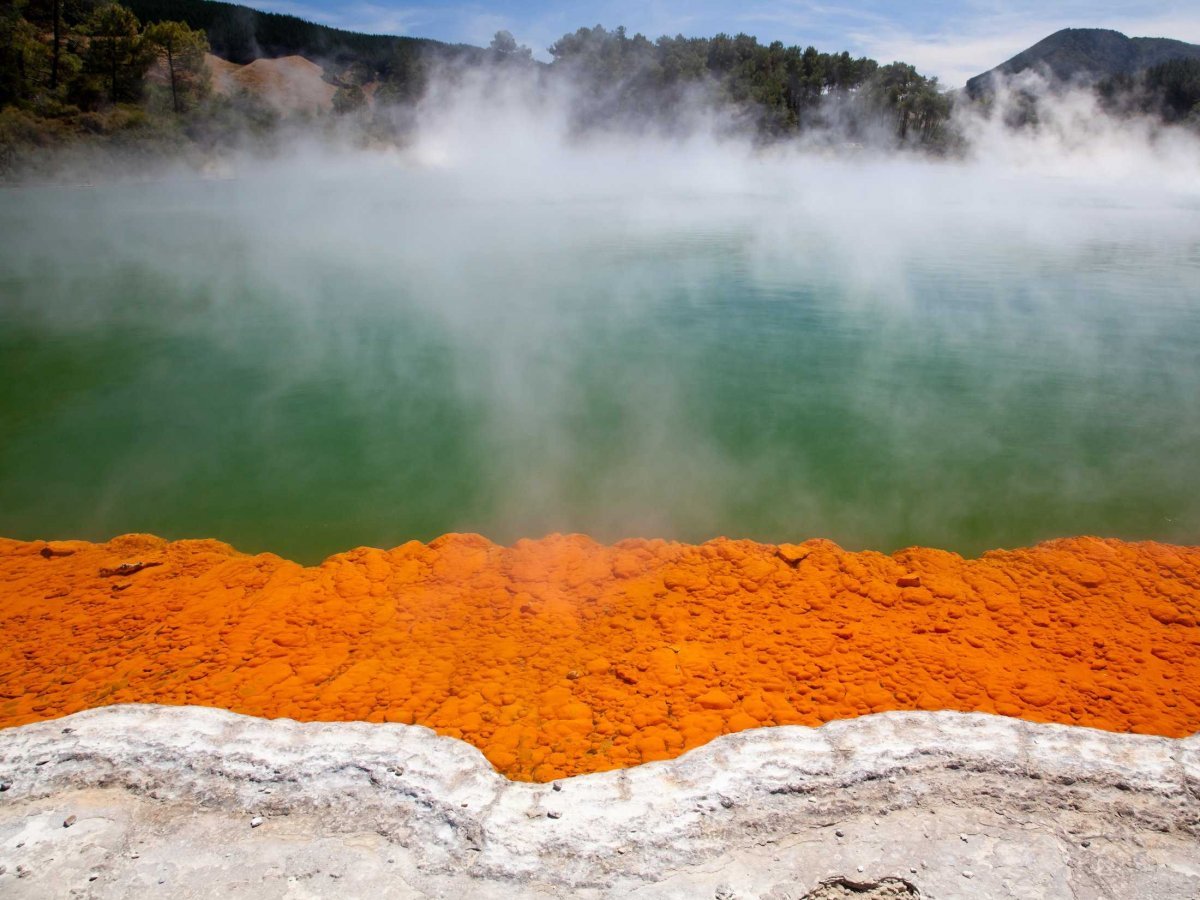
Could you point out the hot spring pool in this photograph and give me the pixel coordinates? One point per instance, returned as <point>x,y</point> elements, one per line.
<point>304,359</point>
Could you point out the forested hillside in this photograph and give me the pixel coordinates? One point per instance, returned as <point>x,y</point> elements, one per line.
<point>1087,55</point>
<point>241,35</point>
<point>138,76</point>
<point>781,90</point>
<point>1154,77</point>
<point>92,69</point>
<point>624,77</point>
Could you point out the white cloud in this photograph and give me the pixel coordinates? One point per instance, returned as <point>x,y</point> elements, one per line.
<point>1182,27</point>
<point>480,27</point>
<point>952,58</point>
<point>803,16</point>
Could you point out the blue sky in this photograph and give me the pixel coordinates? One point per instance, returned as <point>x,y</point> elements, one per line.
<point>947,39</point>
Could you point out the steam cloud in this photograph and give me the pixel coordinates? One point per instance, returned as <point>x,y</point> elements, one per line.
<point>513,327</point>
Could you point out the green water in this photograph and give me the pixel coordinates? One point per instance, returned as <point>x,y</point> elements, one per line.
<point>304,365</point>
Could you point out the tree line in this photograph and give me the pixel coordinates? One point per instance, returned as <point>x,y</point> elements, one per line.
<point>778,90</point>
<point>241,35</point>
<point>87,55</point>
<point>72,67</point>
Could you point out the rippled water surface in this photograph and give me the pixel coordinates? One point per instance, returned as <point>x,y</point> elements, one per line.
<point>878,355</point>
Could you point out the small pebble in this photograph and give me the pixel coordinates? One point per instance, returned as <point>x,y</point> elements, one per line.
<point>1087,843</point>
<point>556,786</point>
<point>727,803</point>
<point>256,821</point>
<point>963,838</point>
<point>840,833</point>
<point>860,869</point>
<point>912,870</point>
<point>4,786</point>
<point>3,869</point>
<point>967,874</point>
<point>554,814</point>
<point>69,821</point>
<point>93,877</point>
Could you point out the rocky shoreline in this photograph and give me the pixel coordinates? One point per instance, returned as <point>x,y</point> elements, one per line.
<point>195,802</point>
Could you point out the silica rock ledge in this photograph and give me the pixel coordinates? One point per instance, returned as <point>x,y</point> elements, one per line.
<point>197,802</point>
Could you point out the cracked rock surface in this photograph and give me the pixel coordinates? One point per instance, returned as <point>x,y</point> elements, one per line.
<point>935,805</point>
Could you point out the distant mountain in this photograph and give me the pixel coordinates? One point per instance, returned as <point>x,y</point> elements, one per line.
<point>1089,55</point>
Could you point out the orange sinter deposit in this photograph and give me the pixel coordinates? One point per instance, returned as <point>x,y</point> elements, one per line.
<point>562,656</point>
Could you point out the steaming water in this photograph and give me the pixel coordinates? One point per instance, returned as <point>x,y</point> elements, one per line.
<point>878,354</point>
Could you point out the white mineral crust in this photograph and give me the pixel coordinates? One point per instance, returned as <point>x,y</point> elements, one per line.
<point>164,800</point>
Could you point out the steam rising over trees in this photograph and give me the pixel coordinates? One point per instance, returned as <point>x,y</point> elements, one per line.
<point>1170,90</point>
<point>780,91</point>
<point>72,68</point>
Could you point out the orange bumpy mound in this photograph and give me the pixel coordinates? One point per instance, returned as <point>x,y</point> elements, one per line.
<point>562,656</point>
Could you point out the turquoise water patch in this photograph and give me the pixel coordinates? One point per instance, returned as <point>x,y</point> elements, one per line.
<point>305,365</point>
